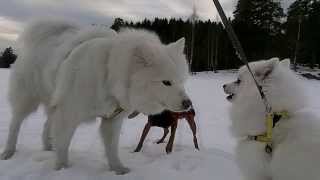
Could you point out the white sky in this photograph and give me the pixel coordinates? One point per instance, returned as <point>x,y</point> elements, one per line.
<point>14,13</point>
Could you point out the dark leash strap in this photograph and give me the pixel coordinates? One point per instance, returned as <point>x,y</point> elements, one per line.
<point>239,51</point>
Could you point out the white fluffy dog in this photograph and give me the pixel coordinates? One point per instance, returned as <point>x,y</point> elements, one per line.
<point>296,140</point>
<point>80,73</point>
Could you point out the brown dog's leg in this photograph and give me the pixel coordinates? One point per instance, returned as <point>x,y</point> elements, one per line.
<point>171,140</point>
<point>143,136</point>
<point>165,133</point>
<point>193,128</point>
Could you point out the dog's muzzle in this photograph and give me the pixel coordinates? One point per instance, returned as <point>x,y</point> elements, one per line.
<point>186,104</point>
<point>230,94</point>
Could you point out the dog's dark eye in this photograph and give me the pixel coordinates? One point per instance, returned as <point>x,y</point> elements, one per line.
<point>167,83</point>
<point>238,81</point>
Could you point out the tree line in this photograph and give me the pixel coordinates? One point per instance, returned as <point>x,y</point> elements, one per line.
<point>262,26</point>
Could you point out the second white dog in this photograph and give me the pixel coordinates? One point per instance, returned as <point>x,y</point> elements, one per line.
<point>296,140</point>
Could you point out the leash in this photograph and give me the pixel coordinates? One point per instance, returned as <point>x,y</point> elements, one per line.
<point>240,52</point>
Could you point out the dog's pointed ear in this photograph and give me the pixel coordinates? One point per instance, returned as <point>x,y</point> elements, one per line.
<point>285,63</point>
<point>178,46</point>
<point>141,57</point>
<point>267,69</point>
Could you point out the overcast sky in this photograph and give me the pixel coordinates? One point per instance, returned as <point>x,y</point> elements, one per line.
<point>15,13</point>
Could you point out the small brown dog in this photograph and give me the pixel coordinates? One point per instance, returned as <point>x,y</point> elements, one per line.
<point>165,120</point>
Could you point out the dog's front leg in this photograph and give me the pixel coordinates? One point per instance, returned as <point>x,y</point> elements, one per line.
<point>110,133</point>
<point>143,136</point>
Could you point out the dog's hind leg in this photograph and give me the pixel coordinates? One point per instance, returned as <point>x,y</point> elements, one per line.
<point>63,130</point>
<point>46,134</point>
<point>143,136</point>
<point>110,133</point>
<point>172,136</point>
<point>165,133</point>
<point>22,105</point>
<point>193,128</point>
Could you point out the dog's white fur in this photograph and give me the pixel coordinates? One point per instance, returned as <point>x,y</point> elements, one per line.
<point>79,73</point>
<point>296,140</point>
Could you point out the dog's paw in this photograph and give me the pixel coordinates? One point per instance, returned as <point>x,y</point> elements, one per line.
<point>169,149</point>
<point>120,170</point>
<point>137,150</point>
<point>47,144</point>
<point>60,166</point>
<point>7,154</point>
<point>47,147</point>
<point>160,141</point>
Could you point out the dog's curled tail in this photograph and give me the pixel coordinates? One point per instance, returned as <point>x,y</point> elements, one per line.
<point>38,31</point>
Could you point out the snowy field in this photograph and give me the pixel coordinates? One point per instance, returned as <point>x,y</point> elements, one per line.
<point>214,161</point>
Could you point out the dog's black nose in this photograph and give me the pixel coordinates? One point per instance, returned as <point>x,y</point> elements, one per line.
<point>186,103</point>
<point>224,86</point>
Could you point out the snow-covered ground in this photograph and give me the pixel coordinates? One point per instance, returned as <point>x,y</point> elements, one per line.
<point>214,161</point>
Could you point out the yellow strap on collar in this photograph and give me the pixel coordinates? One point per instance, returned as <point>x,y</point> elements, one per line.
<point>284,114</point>
<point>267,137</point>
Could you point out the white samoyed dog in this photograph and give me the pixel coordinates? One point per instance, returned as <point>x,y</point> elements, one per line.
<point>296,139</point>
<point>79,73</point>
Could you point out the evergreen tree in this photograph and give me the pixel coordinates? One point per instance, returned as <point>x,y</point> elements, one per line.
<point>7,58</point>
<point>258,24</point>
<point>262,14</point>
<point>313,35</point>
<point>303,27</point>
<point>118,22</point>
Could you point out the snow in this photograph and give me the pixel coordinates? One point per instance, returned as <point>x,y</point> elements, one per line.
<point>214,160</point>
